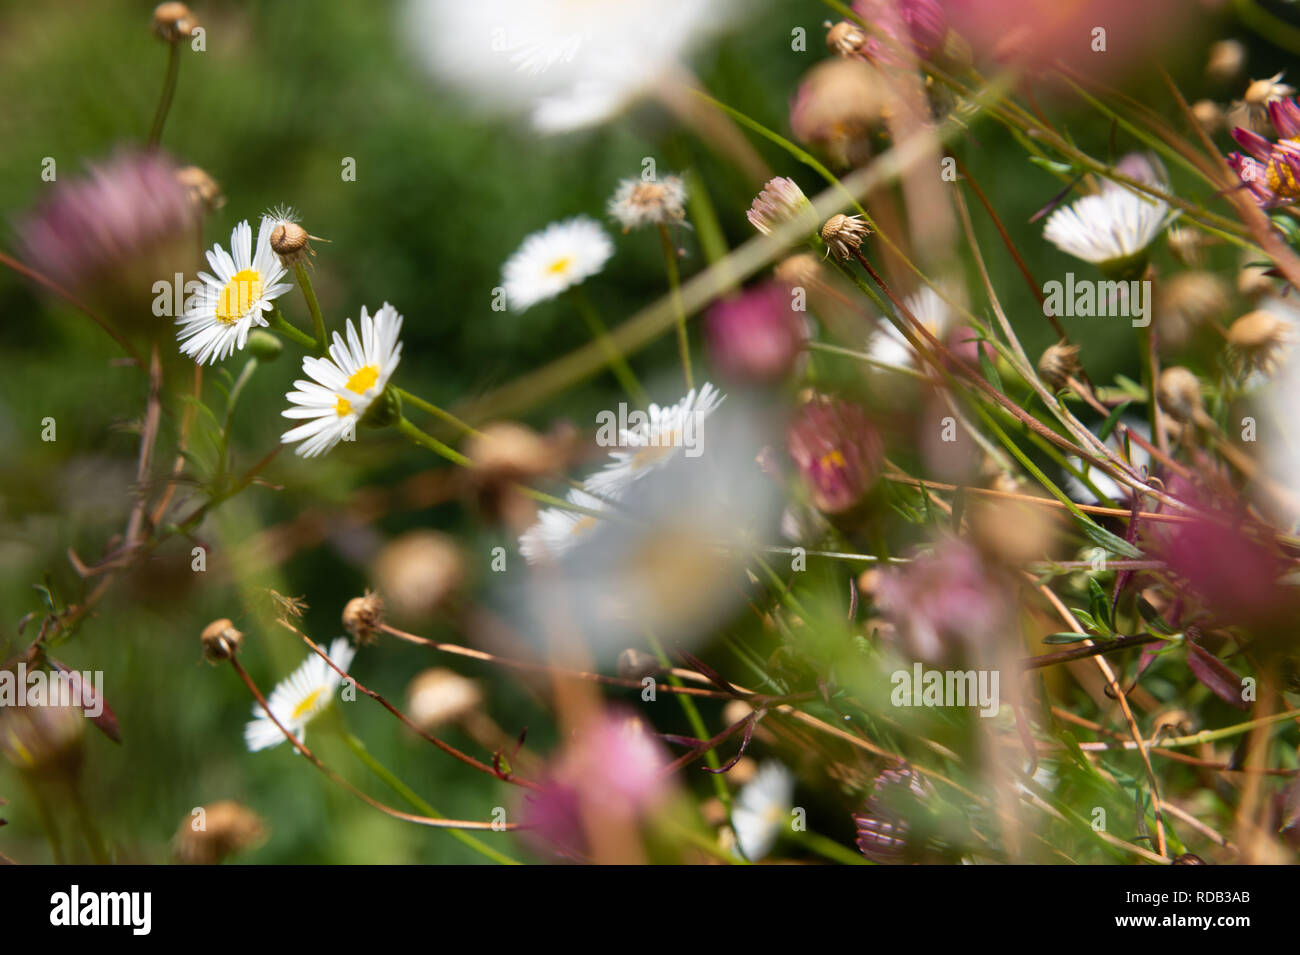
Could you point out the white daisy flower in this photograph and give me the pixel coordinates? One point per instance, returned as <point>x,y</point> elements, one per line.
<point>887,344</point>
<point>299,698</point>
<point>1138,456</point>
<point>1116,223</point>
<point>231,303</point>
<point>558,529</point>
<point>639,203</point>
<point>558,257</point>
<point>345,384</point>
<point>762,808</point>
<point>568,63</point>
<point>658,439</point>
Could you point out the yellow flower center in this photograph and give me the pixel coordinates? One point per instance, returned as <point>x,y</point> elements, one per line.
<point>1281,179</point>
<point>343,407</point>
<point>239,295</point>
<point>307,703</point>
<point>560,265</point>
<point>833,459</point>
<point>664,444</point>
<point>362,379</point>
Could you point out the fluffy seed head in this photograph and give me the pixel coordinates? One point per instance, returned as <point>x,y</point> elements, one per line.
<point>1258,337</point>
<point>845,39</point>
<point>1179,393</point>
<point>221,641</point>
<point>439,696</point>
<point>418,572</point>
<point>202,188</point>
<point>220,831</point>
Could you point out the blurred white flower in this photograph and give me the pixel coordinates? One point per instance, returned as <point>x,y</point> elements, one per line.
<point>299,698</point>
<point>557,528</point>
<point>1116,223</point>
<point>638,203</point>
<point>345,384</point>
<point>557,258</point>
<point>665,434</point>
<point>232,302</point>
<point>1138,457</point>
<point>887,344</point>
<point>567,63</point>
<point>762,807</point>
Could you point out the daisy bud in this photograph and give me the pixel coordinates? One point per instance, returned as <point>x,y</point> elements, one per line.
<point>1225,62</point>
<point>780,202</point>
<point>634,664</point>
<point>1179,394</point>
<point>756,336</point>
<point>1257,337</point>
<point>845,39</point>
<point>439,696</point>
<point>289,242</point>
<point>221,641</point>
<point>836,107</point>
<point>264,346</point>
<point>843,234</point>
<point>1058,364</point>
<point>172,21</point>
<point>363,616</point>
<point>202,188</point>
<point>837,450</point>
<point>385,410</point>
<point>418,572</point>
<point>222,829</point>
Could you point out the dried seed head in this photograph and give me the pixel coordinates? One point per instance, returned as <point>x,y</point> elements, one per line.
<point>845,39</point>
<point>1187,245</point>
<point>1179,393</point>
<point>172,21</point>
<point>217,832</point>
<point>1209,115</point>
<point>801,271</point>
<point>1011,532</point>
<point>45,741</point>
<point>221,641</point>
<point>1258,337</point>
<point>203,189</point>
<point>843,234</point>
<point>837,106</point>
<point>419,572</point>
<point>1058,364</point>
<point>440,696</point>
<point>363,616</point>
<point>1262,92</point>
<point>1254,281</point>
<point>635,664</point>
<point>1187,301</point>
<point>1226,60</point>
<point>506,450</point>
<point>290,242</point>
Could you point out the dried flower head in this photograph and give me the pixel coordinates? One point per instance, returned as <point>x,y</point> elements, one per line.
<point>634,664</point>
<point>1225,61</point>
<point>837,106</point>
<point>211,834</point>
<point>363,616</point>
<point>846,39</point>
<point>1209,115</point>
<point>419,572</point>
<point>43,740</point>
<point>202,188</point>
<point>221,641</point>
<point>438,696</point>
<point>1258,338</point>
<point>1262,92</point>
<point>173,21</point>
<point>1058,364</point>
<point>843,235</point>
<point>638,203</point>
<point>799,271</point>
<point>1179,394</point>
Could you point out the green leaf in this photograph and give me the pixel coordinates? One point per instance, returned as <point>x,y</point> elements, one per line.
<point>1100,605</point>
<point>1112,419</point>
<point>1108,541</point>
<point>1056,638</point>
<point>986,366</point>
<point>1152,618</point>
<point>1057,168</point>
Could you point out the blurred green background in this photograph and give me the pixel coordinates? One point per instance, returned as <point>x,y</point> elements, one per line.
<point>442,196</point>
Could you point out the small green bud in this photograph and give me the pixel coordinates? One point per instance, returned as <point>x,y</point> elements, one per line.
<point>264,346</point>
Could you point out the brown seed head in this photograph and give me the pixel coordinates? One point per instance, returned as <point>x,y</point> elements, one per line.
<point>172,21</point>
<point>1179,393</point>
<point>221,641</point>
<point>363,616</point>
<point>1058,364</point>
<point>843,234</point>
<point>290,242</point>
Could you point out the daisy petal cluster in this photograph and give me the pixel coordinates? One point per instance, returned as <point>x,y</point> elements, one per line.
<point>1116,225</point>
<point>1269,170</point>
<point>345,385</point>
<point>233,301</point>
<point>562,255</point>
<point>559,529</point>
<point>299,698</point>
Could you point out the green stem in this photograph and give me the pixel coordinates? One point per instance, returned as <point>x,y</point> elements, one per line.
<point>88,828</point>
<point>430,442</point>
<point>613,356</point>
<point>675,291</point>
<point>313,306</point>
<point>828,848</point>
<point>168,91</point>
<point>281,325</point>
<point>437,412</point>
<point>250,366</point>
<point>379,769</point>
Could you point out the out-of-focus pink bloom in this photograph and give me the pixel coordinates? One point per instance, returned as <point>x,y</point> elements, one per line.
<point>756,336</point>
<point>964,342</point>
<point>1284,114</point>
<point>124,222</point>
<point>837,450</point>
<point>918,26</point>
<point>947,605</point>
<point>613,767</point>
<point>1097,37</point>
